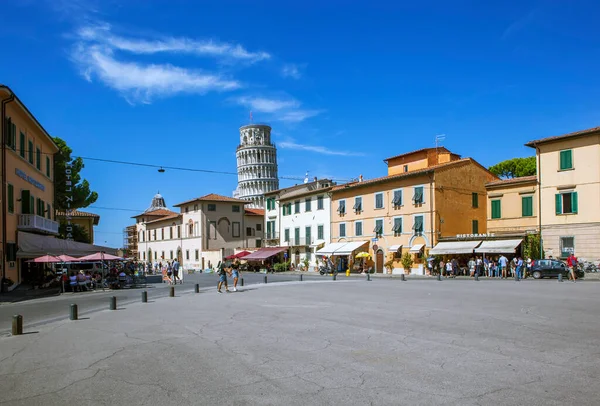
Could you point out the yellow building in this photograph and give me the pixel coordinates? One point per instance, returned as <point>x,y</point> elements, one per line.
<point>427,195</point>
<point>568,170</point>
<point>512,206</point>
<point>27,175</point>
<point>83,219</point>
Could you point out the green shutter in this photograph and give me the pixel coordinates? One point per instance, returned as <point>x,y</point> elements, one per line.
<point>475,227</point>
<point>527,206</point>
<point>25,205</point>
<point>496,209</point>
<point>574,202</point>
<point>38,159</point>
<point>475,200</point>
<point>558,203</point>
<point>566,159</point>
<point>30,154</point>
<point>11,199</point>
<point>22,144</point>
<point>48,166</point>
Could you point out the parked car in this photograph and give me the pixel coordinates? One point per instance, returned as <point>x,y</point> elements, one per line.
<point>551,268</point>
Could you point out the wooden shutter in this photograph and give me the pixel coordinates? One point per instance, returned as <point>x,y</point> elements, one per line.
<point>25,202</point>
<point>11,199</point>
<point>558,203</point>
<point>574,202</point>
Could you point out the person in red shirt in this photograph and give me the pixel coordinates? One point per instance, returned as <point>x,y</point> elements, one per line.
<point>572,263</point>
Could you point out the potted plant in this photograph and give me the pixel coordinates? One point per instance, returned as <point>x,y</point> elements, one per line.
<point>407,262</point>
<point>389,265</point>
<point>306,262</point>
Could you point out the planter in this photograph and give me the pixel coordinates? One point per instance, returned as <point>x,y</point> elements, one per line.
<point>407,272</point>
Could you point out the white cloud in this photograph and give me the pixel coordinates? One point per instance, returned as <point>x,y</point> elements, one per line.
<point>142,82</point>
<point>266,105</point>
<point>102,33</point>
<point>297,116</point>
<point>316,148</point>
<point>292,71</point>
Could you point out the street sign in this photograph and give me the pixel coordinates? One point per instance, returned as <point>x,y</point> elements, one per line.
<point>285,255</point>
<point>375,247</point>
<point>374,239</point>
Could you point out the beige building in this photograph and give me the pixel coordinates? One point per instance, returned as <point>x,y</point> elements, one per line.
<point>568,170</point>
<point>83,219</point>
<point>427,195</point>
<point>512,206</point>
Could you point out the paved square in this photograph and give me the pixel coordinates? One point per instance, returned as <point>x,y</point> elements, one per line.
<point>333,343</point>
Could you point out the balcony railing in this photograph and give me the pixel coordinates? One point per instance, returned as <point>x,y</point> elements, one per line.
<point>299,242</point>
<point>35,223</point>
<point>272,235</point>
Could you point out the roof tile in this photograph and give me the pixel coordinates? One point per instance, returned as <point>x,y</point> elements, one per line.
<point>580,133</point>
<point>213,197</point>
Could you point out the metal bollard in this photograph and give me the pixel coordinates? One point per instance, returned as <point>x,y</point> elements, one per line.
<point>144,296</point>
<point>476,276</point>
<point>402,277</point>
<point>17,325</point>
<point>172,291</point>
<point>368,276</point>
<point>560,277</point>
<point>265,278</point>
<point>241,281</point>
<point>334,276</point>
<point>197,288</point>
<point>73,314</point>
<point>113,303</point>
<point>300,277</point>
<point>439,277</point>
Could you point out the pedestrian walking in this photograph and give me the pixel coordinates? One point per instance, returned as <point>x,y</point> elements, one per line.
<point>520,268</point>
<point>528,266</point>
<point>176,272</point>
<point>449,269</point>
<point>471,264</point>
<point>169,273</point>
<point>503,262</point>
<point>572,264</point>
<point>442,268</point>
<point>222,277</point>
<point>235,272</point>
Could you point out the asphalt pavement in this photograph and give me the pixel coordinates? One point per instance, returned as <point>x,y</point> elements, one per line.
<point>44,310</point>
<point>349,342</point>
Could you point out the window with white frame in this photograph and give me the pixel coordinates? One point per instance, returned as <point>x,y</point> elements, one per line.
<point>397,200</point>
<point>418,196</point>
<point>418,225</point>
<point>378,228</point>
<point>397,226</point>
<point>342,229</point>
<point>379,200</point>
<point>342,207</point>
<point>357,204</point>
<point>358,228</point>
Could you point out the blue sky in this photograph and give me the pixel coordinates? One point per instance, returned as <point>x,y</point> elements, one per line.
<point>344,84</point>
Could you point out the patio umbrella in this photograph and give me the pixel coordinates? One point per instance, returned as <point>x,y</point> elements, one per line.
<point>46,259</point>
<point>231,257</point>
<point>363,255</point>
<point>242,254</point>
<point>66,258</point>
<point>100,256</point>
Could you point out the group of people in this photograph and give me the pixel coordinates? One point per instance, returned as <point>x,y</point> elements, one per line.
<point>171,270</point>
<point>495,267</point>
<point>82,281</point>
<point>233,271</point>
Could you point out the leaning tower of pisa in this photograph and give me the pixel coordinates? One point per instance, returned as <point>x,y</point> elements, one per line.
<point>256,164</point>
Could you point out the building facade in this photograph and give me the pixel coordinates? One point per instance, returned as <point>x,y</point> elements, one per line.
<point>568,170</point>
<point>256,164</point>
<point>427,195</point>
<point>83,219</point>
<point>299,217</point>
<point>28,184</point>
<point>202,233</point>
<point>512,206</point>
<point>130,242</point>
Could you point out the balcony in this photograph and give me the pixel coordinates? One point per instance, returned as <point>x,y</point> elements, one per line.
<point>37,224</point>
<point>298,242</point>
<point>271,236</point>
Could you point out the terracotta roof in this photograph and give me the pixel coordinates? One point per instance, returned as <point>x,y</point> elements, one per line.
<point>300,186</point>
<point>213,197</point>
<point>581,133</point>
<point>156,213</point>
<point>403,175</point>
<point>77,213</point>
<point>417,151</point>
<point>255,212</point>
<point>169,217</point>
<point>522,179</point>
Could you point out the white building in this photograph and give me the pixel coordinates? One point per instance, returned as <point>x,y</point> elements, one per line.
<point>299,217</point>
<point>206,230</point>
<point>256,164</point>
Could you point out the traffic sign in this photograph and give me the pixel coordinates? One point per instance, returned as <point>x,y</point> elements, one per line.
<point>375,247</point>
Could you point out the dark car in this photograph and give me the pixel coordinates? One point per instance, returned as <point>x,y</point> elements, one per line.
<point>546,268</point>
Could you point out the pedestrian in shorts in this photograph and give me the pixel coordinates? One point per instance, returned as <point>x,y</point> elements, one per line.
<point>176,272</point>
<point>222,277</point>
<point>235,272</point>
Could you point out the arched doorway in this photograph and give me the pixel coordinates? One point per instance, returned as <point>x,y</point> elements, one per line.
<point>379,261</point>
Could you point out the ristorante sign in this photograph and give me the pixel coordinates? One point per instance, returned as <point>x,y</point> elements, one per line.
<point>69,199</point>
<point>475,235</point>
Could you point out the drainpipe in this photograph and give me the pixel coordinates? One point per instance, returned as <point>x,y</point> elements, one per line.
<point>539,172</point>
<point>4,206</point>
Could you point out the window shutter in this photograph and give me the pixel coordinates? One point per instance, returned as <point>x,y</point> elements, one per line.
<point>25,202</point>
<point>524,207</point>
<point>8,130</point>
<point>558,203</point>
<point>475,227</point>
<point>11,199</point>
<point>569,159</point>
<point>574,202</point>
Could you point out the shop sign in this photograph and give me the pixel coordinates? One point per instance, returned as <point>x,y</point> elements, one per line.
<point>475,235</point>
<point>29,179</point>
<point>69,199</point>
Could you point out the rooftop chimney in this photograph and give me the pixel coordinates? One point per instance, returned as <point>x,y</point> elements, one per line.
<point>360,178</point>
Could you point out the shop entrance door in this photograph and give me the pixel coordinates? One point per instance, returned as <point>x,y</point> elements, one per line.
<point>379,261</point>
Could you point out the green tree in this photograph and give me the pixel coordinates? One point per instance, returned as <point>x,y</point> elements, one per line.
<point>78,234</point>
<point>80,189</point>
<point>514,168</point>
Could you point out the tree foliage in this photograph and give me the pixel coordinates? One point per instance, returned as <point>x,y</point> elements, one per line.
<point>531,246</point>
<point>515,168</point>
<point>81,193</point>
<point>78,233</point>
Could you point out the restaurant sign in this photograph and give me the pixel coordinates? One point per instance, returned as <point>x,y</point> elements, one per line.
<point>475,235</point>
<point>69,199</point>
<point>29,179</point>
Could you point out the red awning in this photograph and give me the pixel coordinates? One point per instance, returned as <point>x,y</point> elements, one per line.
<point>264,253</point>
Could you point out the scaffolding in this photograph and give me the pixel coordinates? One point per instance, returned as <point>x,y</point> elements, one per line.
<point>130,242</point>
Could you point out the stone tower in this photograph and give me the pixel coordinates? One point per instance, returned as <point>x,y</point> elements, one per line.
<point>256,164</point>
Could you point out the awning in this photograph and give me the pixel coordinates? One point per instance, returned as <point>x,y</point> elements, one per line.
<point>416,248</point>
<point>264,253</point>
<point>34,245</point>
<point>454,247</point>
<point>317,243</point>
<point>395,248</point>
<point>329,249</point>
<point>499,246</point>
<point>350,247</point>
